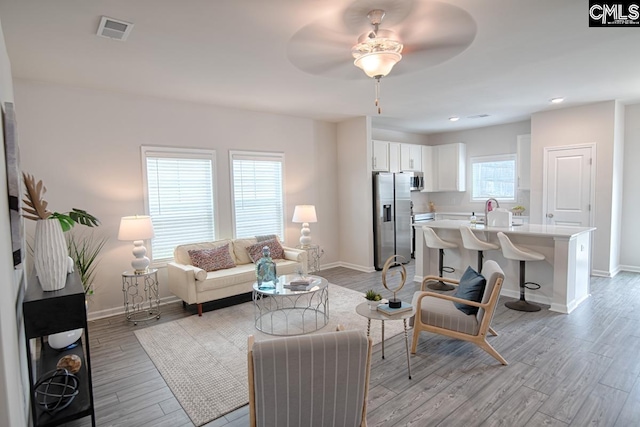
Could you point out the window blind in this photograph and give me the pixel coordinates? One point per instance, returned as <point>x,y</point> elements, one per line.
<point>258,202</point>
<point>180,200</point>
<point>494,176</point>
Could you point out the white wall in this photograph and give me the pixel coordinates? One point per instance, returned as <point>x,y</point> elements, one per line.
<point>355,200</point>
<point>629,253</point>
<point>486,141</point>
<point>85,146</point>
<point>593,123</point>
<point>13,409</point>
<point>398,136</point>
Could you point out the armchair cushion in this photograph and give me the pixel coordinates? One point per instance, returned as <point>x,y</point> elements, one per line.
<point>471,288</point>
<point>255,251</point>
<point>212,259</point>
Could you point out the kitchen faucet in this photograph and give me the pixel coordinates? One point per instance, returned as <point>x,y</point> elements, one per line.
<point>486,208</point>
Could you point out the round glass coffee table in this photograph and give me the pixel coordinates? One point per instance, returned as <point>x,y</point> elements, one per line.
<point>289,309</point>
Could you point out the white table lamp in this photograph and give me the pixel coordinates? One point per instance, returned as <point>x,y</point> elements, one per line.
<point>137,229</point>
<point>305,214</point>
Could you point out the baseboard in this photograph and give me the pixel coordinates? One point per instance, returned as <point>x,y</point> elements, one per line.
<point>630,268</point>
<point>602,273</point>
<point>355,267</point>
<point>330,265</point>
<point>101,314</point>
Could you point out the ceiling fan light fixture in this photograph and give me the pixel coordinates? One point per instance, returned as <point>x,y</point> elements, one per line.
<point>377,51</point>
<point>377,64</point>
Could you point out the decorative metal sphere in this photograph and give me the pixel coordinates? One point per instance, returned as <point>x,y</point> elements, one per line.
<point>55,390</point>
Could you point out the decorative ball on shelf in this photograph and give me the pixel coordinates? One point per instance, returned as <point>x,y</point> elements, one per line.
<point>55,390</point>
<point>64,340</point>
<point>394,302</point>
<point>70,362</point>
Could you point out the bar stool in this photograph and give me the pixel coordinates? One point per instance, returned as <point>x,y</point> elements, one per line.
<point>432,241</point>
<point>511,251</point>
<point>470,241</point>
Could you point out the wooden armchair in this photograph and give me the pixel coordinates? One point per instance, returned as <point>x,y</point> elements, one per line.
<point>310,380</point>
<point>437,313</point>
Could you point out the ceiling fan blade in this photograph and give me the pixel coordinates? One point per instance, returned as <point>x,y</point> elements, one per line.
<point>320,50</point>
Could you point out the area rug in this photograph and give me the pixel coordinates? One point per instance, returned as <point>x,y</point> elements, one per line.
<point>204,359</point>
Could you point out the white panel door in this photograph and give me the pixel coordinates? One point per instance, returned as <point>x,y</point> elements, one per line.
<point>568,189</point>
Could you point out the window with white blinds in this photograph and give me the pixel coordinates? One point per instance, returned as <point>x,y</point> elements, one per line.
<point>180,197</point>
<point>257,187</point>
<point>494,176</point>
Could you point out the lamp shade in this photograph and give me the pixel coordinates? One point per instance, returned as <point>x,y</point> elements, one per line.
<point>304,213</point>
<point>138,227</point>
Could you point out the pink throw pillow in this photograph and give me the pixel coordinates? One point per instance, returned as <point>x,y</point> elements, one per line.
<point>255,251</point>
<point>212,259</point>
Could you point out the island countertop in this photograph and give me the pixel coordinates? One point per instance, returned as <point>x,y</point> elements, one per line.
<point>522,229</point>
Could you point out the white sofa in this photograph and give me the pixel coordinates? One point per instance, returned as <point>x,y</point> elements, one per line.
<point>196,286</point>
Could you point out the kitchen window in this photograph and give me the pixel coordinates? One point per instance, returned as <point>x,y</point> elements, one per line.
<point>258,193</point>
<point>180,197</point>
<point>494,176</point>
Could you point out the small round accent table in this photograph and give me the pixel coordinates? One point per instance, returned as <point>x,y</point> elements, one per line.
<point>363,310</point>
<point>141,296</point>
<point>287,309</point>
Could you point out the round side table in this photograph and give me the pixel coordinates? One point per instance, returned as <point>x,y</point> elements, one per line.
<point>363,310</point>
<point>141,295</point>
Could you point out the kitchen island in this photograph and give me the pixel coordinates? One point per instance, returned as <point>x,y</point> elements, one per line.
<point>564,274</point>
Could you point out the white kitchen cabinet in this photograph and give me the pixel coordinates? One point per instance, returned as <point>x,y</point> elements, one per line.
<point>411,158</point>
<point>524,162</point>
<point>394,157</point>
<point>427,168</point>
<point>380,159</point>
<point>449,167</point>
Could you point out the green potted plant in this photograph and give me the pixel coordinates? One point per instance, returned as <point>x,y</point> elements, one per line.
<point>84,250</point>
<point>373,298</point>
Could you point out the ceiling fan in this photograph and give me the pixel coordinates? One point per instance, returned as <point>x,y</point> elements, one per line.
<point>376,35</point>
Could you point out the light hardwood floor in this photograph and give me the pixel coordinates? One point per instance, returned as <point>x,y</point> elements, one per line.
<point>577,370</point>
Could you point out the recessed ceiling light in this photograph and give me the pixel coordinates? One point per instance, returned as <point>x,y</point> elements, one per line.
<point>556,100</point>
<point>454,119</point>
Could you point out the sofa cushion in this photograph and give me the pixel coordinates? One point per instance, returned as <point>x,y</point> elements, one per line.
<point>240,250</point>
<point>212,259</point>
<point>255,251</point>
<point>181,253</point>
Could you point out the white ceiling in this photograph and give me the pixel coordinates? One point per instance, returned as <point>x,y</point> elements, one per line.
<point>238,53</point>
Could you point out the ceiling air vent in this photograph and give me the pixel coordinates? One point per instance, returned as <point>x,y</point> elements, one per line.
<point>478,116</point>
<point>114,29</point>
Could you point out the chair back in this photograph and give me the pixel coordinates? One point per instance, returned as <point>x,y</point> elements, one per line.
<point>310,380</point>
<point>432,240</point>
<point>494,276</point>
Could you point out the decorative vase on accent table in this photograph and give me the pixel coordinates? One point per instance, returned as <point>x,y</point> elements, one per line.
<point>50,255</point>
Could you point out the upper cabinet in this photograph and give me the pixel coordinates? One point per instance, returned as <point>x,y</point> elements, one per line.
<point>394,157</point>
<point>524,162</point>
<point>411,157</point>
<point>449,162</point>
<point>380,161</point>
<point>427,168</point>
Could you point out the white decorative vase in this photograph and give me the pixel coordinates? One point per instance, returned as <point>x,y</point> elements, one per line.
<point>50,255</point>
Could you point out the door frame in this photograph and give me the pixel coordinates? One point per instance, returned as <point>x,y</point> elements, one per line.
<point>592,190</point>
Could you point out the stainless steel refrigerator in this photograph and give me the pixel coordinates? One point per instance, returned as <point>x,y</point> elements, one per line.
<point>391,217</point>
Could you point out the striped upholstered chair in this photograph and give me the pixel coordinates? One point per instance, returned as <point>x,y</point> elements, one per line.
<point>310,380</point>
<point>438,313</point>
